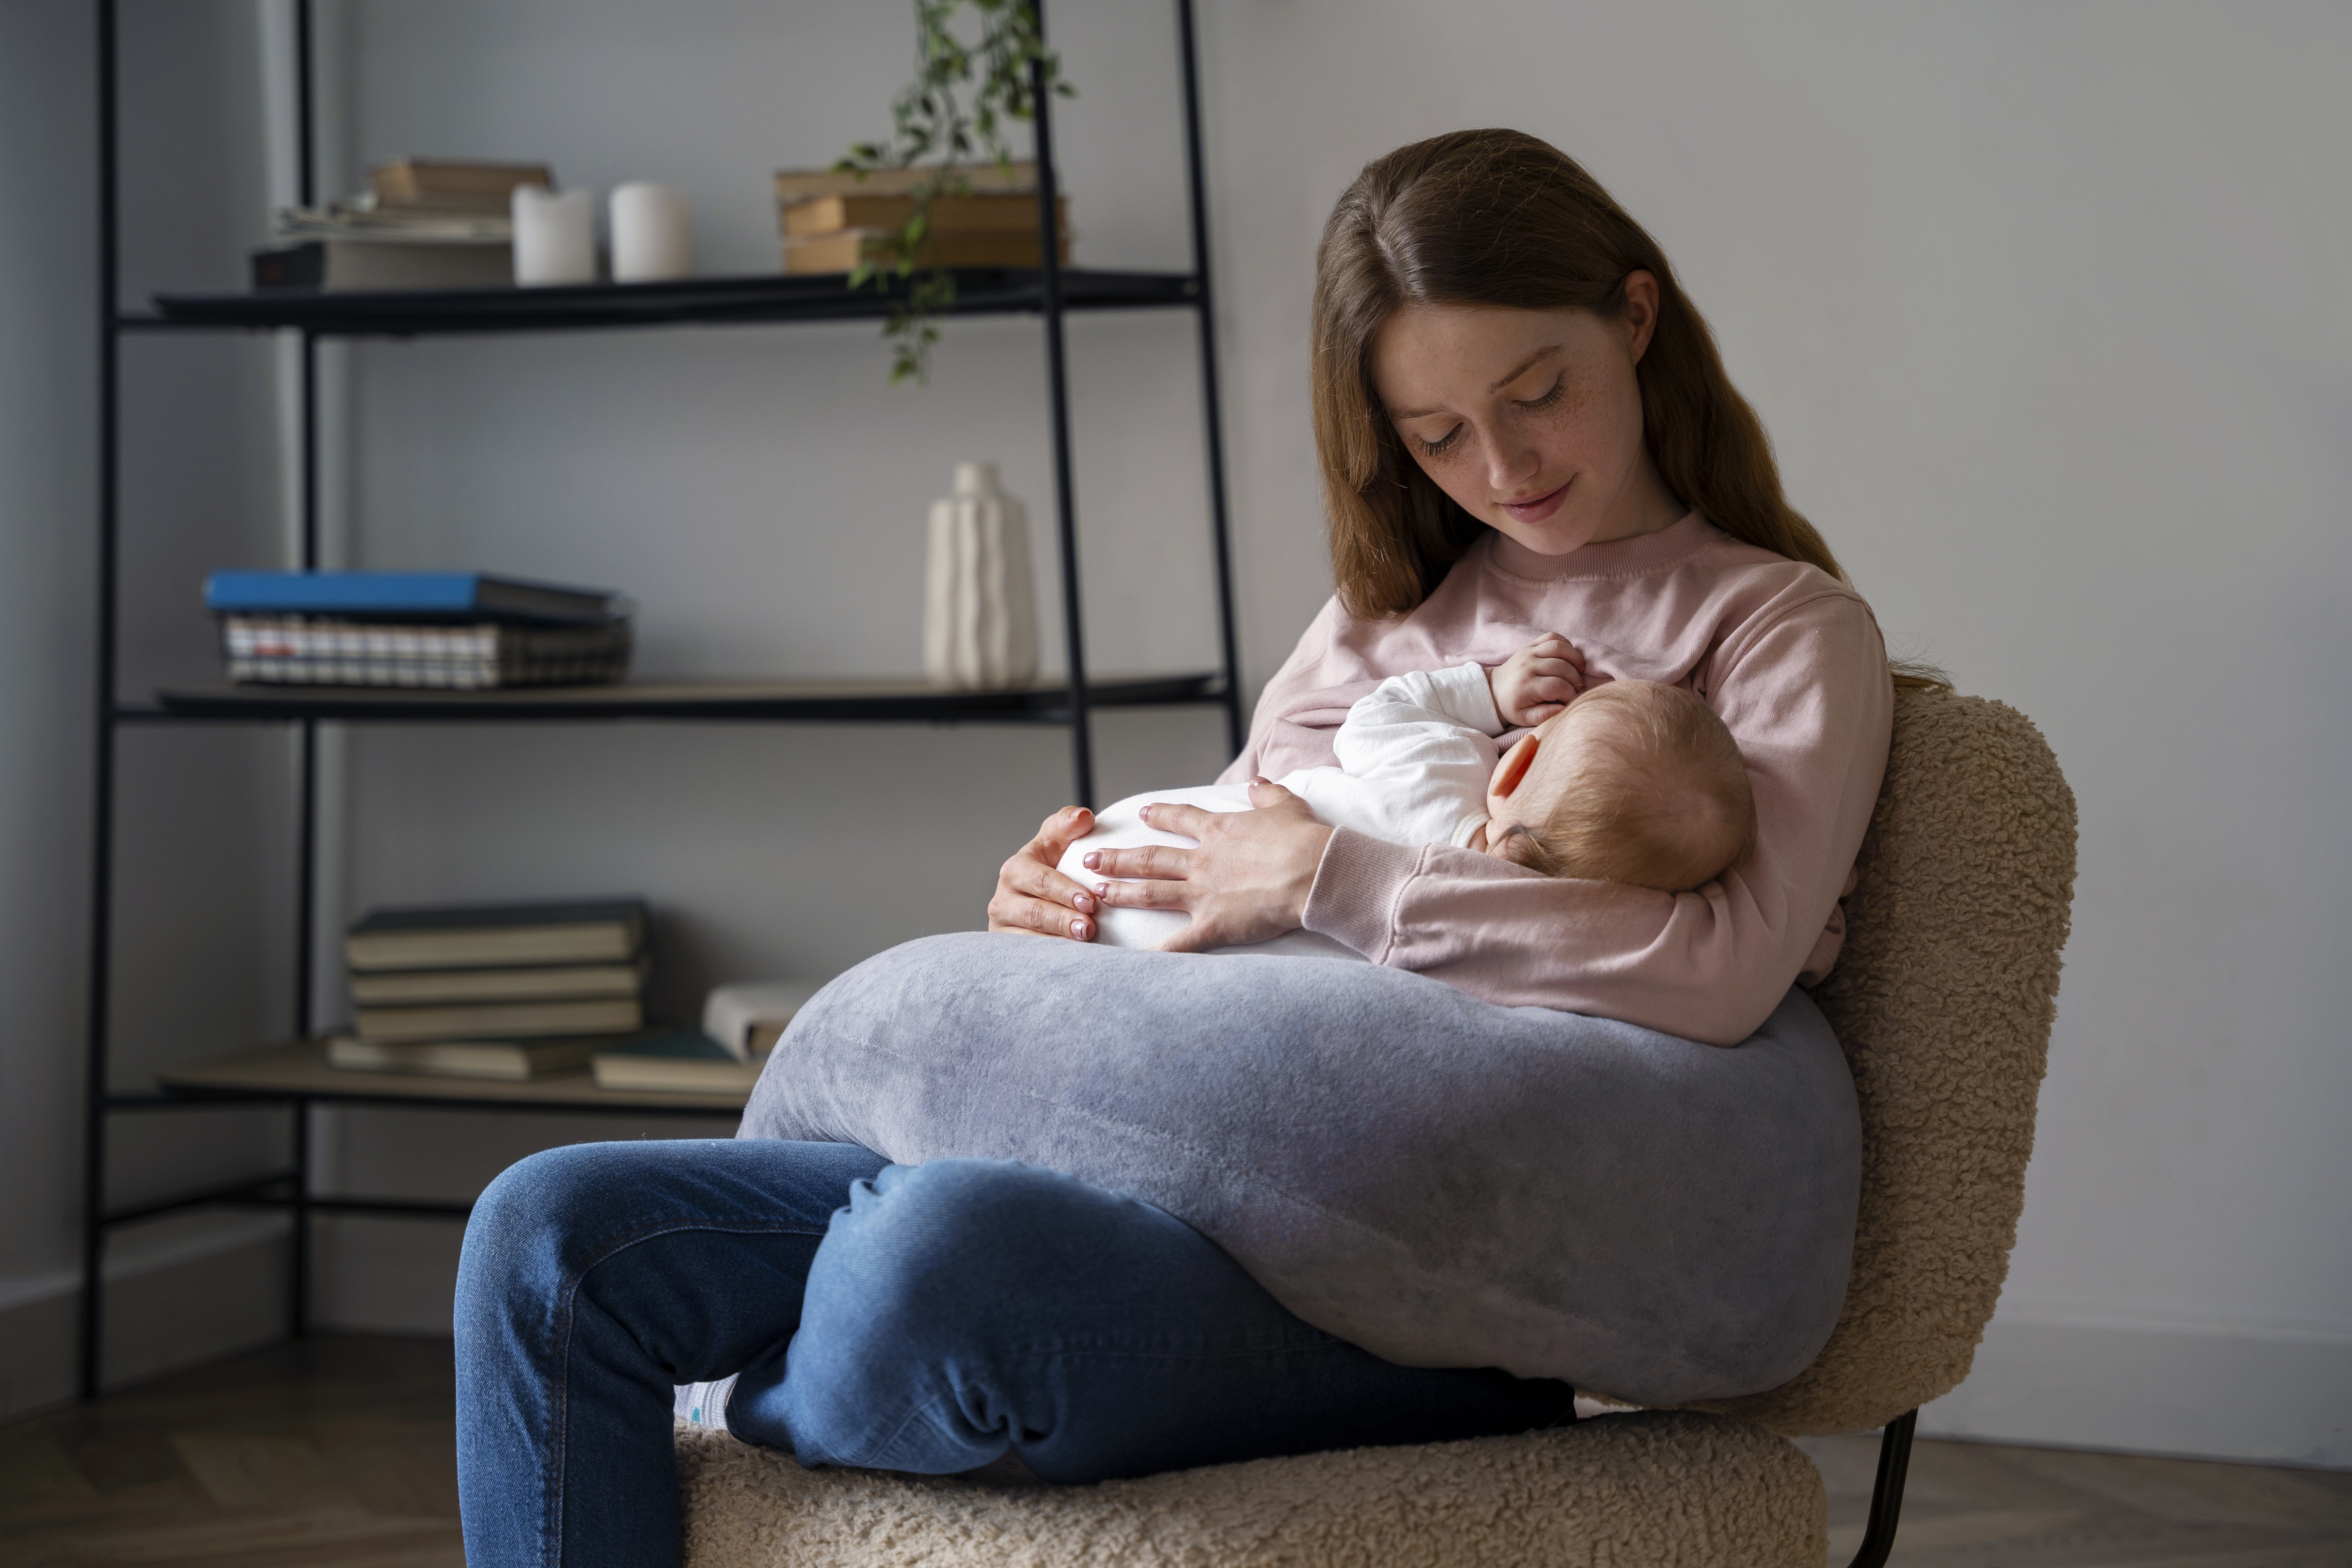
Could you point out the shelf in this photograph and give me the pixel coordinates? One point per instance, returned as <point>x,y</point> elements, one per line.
<point>300,1071</point>
<point>295,1074</point>
<point>706,301</point>
<point>838,701</point>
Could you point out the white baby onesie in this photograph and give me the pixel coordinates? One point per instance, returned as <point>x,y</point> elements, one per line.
<point>1415,757</point>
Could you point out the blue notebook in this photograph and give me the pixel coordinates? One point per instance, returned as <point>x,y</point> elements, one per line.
<point>407,595</point>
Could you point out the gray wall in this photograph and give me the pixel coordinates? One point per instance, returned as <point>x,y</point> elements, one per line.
<point>2041,307</point>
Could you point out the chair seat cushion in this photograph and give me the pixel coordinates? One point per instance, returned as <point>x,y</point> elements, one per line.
<point>1639,1491</point>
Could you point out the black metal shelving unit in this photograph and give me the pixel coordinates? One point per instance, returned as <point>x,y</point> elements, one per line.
<point>1050,292</point>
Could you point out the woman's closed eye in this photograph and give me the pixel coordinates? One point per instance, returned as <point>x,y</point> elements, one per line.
<point>1439,448</point>
<point>1452,439</point>
<point>1559,390</point>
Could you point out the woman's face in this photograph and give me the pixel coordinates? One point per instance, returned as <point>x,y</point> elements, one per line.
<point>1531,420</point>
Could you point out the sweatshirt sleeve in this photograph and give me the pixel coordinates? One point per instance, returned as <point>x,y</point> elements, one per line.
<point>1807,698</point>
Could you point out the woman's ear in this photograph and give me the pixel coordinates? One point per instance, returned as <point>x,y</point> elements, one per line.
<point>1640,317</point>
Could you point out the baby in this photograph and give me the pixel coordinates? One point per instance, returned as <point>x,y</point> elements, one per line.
<point>1627,781</point>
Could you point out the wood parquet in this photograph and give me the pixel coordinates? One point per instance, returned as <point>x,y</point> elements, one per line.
<point>331,1454</point>
<point>1984,1505</point>
<point>336,1453</point>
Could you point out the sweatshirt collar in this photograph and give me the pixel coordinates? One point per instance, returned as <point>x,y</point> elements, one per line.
<point>1620,557</point>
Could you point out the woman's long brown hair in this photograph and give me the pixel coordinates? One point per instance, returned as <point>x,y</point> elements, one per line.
<point>1498,217</point>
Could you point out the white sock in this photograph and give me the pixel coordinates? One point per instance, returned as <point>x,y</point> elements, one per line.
<point>704,1404</point>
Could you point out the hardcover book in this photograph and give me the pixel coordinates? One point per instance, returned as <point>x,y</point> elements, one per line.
<point>313,650</point>
<point>747,1017</point>
<point>803,185</point>
<point>346,265</point>
<point>452,183</point>
<point>409,595</point>
<point>564,982</point>
<point>965,248</point>
<point>499,936</point>
<point>1012,212</point>
<point>514,1061</point>
<point>684,1062</point>
<point>594,1016</point>
<point>409,225</point>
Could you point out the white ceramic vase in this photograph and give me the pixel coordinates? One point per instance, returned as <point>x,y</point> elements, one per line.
<point>980,609</point>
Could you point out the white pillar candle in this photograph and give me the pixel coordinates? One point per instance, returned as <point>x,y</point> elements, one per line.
<point>649,237</point>
<point>554,236</point>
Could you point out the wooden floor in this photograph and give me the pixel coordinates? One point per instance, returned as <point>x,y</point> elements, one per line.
<point>1980,1504</point>
<point>331,1454</point>
<point>336,1454</point>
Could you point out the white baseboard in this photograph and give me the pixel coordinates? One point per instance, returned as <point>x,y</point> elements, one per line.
<point>178,1293</point>
<point>2278,1398</point>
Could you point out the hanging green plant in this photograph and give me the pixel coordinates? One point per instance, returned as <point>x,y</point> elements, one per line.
<point>935,118</point>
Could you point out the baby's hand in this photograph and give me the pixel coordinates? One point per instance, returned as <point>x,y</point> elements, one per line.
<point>1538,682</point>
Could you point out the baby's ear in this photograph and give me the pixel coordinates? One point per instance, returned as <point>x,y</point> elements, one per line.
<point>1513,766</point>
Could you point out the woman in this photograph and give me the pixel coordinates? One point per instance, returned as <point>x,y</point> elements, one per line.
<point>1523,427</point>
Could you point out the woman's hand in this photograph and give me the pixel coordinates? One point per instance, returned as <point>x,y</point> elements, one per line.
<point>1035,899</point>
<point>1248,881</point>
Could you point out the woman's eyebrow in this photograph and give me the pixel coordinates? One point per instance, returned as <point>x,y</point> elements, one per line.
<point>1517,370</point>
<point>1526,366</point>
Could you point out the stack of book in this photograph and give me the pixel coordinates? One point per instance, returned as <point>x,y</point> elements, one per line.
<point>421,224</point>
<point>512,991</point>
<point>740,1024</point>
<point>451,631</point>
<point>829,219</point>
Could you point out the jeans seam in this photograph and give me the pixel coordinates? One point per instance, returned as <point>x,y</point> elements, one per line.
<point>551,1522</point>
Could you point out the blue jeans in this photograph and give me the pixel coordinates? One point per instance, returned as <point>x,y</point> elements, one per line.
<point>949,1314</point>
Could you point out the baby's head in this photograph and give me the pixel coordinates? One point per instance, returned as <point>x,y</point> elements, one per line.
<point>1634,782</point>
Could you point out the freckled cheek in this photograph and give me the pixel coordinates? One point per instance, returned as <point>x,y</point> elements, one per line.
<point>1568,424</point>
<point>1454,473</point>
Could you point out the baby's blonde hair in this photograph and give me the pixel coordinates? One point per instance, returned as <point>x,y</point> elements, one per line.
<point>1665,802</point>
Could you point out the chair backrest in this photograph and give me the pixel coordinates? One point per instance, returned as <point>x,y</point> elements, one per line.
<point>1943,999</point>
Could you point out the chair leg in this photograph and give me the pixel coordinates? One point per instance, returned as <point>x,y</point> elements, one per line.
<point>1886,1494</point>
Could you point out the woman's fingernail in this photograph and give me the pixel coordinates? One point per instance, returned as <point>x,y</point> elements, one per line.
<point>1085,901</point>
<point>1078,930</point>
<point>1092,859</point>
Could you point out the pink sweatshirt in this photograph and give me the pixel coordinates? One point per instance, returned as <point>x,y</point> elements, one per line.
<point>1788,658</point>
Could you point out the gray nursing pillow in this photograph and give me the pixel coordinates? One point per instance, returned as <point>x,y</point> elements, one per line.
<point>1442,1180</point>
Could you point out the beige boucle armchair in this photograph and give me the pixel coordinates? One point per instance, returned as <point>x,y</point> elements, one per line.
<point>1943,1000</point>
